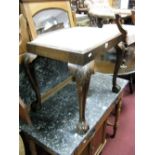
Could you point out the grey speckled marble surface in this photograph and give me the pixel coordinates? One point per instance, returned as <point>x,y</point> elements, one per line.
<point>54,126</point>
<point>48,72</point>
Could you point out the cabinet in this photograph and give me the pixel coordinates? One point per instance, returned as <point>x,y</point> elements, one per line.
<point>94,144</point>
<point>54,126</point>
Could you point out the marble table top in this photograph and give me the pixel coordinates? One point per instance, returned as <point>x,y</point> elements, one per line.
<point>54,126</point>
<point>77,45</point>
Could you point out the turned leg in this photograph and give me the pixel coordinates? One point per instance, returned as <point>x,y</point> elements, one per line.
<point>30,72</point>
<point>118,110</point>
<point>119,53</point>
<point>115,124</point>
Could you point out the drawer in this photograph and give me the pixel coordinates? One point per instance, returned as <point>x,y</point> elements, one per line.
<point>98,141</point>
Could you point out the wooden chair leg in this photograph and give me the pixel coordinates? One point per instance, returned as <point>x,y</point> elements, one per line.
<point>30,72</point>
<point>131,83</point>
<point>116,88</point>
<point>24,115</point>
<point>23,112</point>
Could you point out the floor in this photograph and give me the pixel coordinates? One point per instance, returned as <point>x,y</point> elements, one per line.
<point>124,141</point>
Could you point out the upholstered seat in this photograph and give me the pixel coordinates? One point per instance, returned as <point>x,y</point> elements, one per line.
<point>130,29</point>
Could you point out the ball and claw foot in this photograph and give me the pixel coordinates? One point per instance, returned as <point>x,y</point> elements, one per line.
<point>116,89</point>
<point>82,127</point>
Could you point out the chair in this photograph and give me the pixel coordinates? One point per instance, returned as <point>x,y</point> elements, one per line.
<point>103,11</point>
<point>43,23</point>
<point>29,9</point>
<point>24,109</point>
<point>105,64</point>
<point>24,38</point>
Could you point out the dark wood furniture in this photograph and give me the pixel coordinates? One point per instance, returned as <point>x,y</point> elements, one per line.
<point>102,12</point>
<point>105,64</point>
<point>79,6</point>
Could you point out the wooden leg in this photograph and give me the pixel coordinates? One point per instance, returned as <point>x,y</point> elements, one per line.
<point>131,83</point>
<point>82,77</point>
<point>118,110</point>
<point>115,124</point>
<point>30,72</point>
<point>120,49</point>
<point>99,22</point>
<point>82,90</point>
<point>23,112</point>
<point>116,88</point>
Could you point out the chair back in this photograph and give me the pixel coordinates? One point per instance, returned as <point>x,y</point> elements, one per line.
<point>41,15</point>
<point>24,37</point>
<point>23,34</point>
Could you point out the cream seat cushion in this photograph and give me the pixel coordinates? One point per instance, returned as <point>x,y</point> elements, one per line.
<point>129,28</point>
<point>76,39</point>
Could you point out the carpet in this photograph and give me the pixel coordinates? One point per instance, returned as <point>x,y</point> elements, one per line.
<point>124,141</point>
